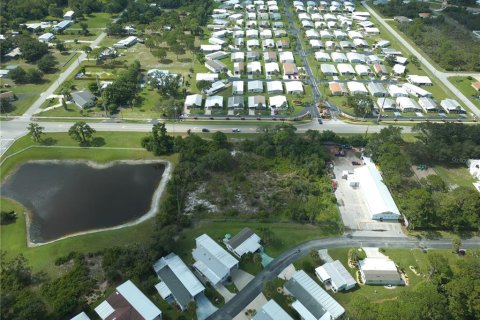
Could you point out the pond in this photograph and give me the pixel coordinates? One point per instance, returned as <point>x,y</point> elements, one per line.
<point>69,197</point>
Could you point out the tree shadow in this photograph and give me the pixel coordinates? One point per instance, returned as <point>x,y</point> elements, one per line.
<point>95,142</point>
<point>48,141</point>
<point>185,60</point>
<point>166,61</point>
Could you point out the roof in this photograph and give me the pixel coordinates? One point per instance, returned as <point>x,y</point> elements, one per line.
<point>216,55</point>
<point>294,86</point>
<point>216,65</point>
<point>338,275</point>
<point>178,278</point>
<point>255,84</point>
<point>277,102</point>
<point>138,300</point>
<point>345,68</point>
<point>81,316</point>
<point>82,98</point>
<point>163,290</point>
<point>407,103</point>
<point>271,311</point>
<point>354,86</point>
<point>104,309</point>
<point>374,191</point>
<point>216,259</point>
<point>328,68</point>
<point>274,86</point>
<point>46,36</point>
<point>375,87</point>
<point>213,101</point>
<point>419,79</point>
<point>252,101</point>
<point>193,99</point>
<point>379,268</point>
<point>244,241</point>
<point>312,297</point>
<point>337,87</point>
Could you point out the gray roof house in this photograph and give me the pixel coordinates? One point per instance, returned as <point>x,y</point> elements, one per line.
<point>312,302</point>
<point>177,280</point>
<point>335,276</point>
<point>271,311</point>
<point>376,89</point>
<point>83,99</point>
<point>246,241</point>
<point>235,102</point>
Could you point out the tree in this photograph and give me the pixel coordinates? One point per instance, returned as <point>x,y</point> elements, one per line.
<point>203,85</point>
<point>7,217</point>
<point>160,53</point>
<point>32,49</point>
<point>191,307</point>
<point>55,11</point>
<point>456,243</point>
<point>178,49</point>
<point>269,289</point>
<point>220,141</point>
<point>390,60</point>
<point>84,27</point>
<point>414,60</point>
<point>81,132</point>
<point>47,63</point>
<point>19,75</point>
<point>167,84</point>
<point>35,131</point>
<point>60,46</point>
<point>353,256</point>
<point>158,142</point>
<point>6,106</point>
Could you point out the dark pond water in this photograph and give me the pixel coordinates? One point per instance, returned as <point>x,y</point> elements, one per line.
<point>70,197</point>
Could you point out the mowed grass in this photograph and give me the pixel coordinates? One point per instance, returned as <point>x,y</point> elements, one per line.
<point>465,86</point>
<point>13,236</point>
<point>404,258</point>
<point>455,176</point>
<point>94,20</point>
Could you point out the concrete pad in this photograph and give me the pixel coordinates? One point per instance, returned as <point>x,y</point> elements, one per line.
<point>256,304</point>
<point>204,307</point>
<point>226,294</point>
<point>241,278</point>
<point>288,272</point>
<point>323,253</point>
<point>251,112</point>
<point>208,112</point>
<point>373,253</point>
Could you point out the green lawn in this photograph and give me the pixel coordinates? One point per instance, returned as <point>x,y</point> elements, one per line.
<point>455,176</point>
<point>465,86</point>
<point>94,20</point>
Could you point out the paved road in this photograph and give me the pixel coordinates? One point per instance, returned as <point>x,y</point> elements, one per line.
<point>243,298</point>
<point>442,76</point>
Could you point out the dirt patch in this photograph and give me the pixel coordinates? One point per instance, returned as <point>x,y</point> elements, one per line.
<point>423,173</point>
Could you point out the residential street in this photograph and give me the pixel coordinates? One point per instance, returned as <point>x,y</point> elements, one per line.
<point>243,298</point>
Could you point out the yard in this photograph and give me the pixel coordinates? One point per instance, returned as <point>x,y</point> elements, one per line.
<point>455,177</point>
<point>464,84</point>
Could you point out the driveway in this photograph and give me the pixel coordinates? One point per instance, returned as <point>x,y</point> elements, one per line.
<point>288,272</point>
<point>226,294</point>
<point>323,254</point>
<point>204,307</point>
<point>256,304</point>
<point>241,278</point>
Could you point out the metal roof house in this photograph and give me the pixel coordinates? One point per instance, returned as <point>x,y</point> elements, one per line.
<point>379,271</point>
<point>68,15</point>
<point>312,302</point>
<point>212,261</point>
<point>178,281</point>
<point>407,104</point>
<point>255,86</point>
<point>81,316</point>
<point>46,37</point>
<point>278,102</point>
<point>62,25</point>
<point>193,101</point>
<point>254,102</point>
<point>376,89</point>
<point>274,87</point>
<point>452,106</point>
<point>235,102</point>
<point>334,275</point>
<point>328,69</point>
<point>128,302</point>
<point>83,99</point>
<point>271,311</point>
<point>246,241</point>
<point>428,104</point>
<point>375,193</point>
<point>386,104</point>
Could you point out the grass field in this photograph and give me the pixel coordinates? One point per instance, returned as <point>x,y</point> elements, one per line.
<point>455,176</point>
<point>13,236</point>
<point>465,86</point>
<point>94,20</point>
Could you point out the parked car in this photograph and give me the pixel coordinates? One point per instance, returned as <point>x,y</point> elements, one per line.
<point>235,130</point>
<point>205,130</point>
<point>356,163</point>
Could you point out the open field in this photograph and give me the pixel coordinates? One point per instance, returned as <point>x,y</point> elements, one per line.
<point>94,20</point>
<point>455,176</point>
<point>465,86</point>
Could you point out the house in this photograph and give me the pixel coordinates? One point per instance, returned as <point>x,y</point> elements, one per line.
<point>255,86</point>
<point>360,43</point>
<point>325,34</point>
<point>416,90</point>
<point>340,35</point>
<point>235,102</point>
<point>271,311</point>
<point>337,89</point>
<point>419,80</point>
<point>428,104</point>
<point>286,57</point>
<point>452,106</point>
<point>214,102</point>
<point>380,69</point>
<point>215,87</point>
<point>375,193</point>
<point>322,56</point>
<point>362,70</point>
<point>312,34</point>
<point>274,87</point>
<point>339,57</point>
<point>268,43</point>
<point>307,24</point>
<point>399,70</point>
<point>253,56</point>
<point>354,35</point>
<point>290,69</point>
<point>237,87</point>
<point>83,99</point>
<point>397,91</point>
<point>9,95</point>
<point>345,69</point>
<point>211,260</point>
<point>81,316</point>
<point>246,241</point>
<point>208,48</point>
<point>266,34</point>
<point>69,15</point>
<point>386,104</point>
<point>406,104</point>
<point>128,302</point>
<point>328,69</point>
<point>46,37</point>
<point>283,44</point>
<point>294,87</point>
<point>253,43</point>
<point>311,301</point>
<point>346,45</point>
<point>206,77</point>
<point>270,56</point>
<point>376,89</point>
<point>254,102</point>
<point>217,55</point>
<point>316,44</point>
<point>15,53</point>
<point>373,59</point>
<point>330,45</point>
<point>252,33</point>
<point>193,101</point>
<point>254,67</point>
<point>401,19</point>
<point>177,282</point>
<point>379,271</point>
<point>238,68</point>
<point>62,25</point>
<point>401,60</point>
<point>356,88</point>
<point>215,66</point>
<point>382,44</point>
<point>354,57</point>
<point>278,102</point>
<point>127,42</point>
<point>476,86</point>
<point>334,275</point>
<point>108,53</point>
<point>237,56</point>
<point>272,68</point>
<point>239,42</point>
<point>280,33</point>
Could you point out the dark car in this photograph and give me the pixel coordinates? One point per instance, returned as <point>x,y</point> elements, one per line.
<point>235,130</point>
<point>205,130</point>
<point>356,163</point>
<point>320,121</point>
